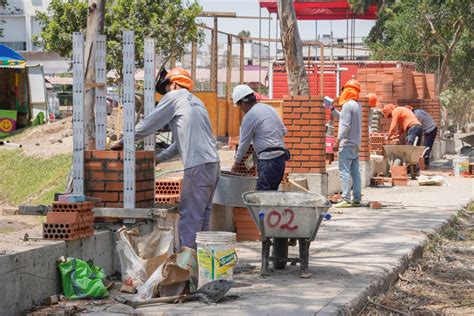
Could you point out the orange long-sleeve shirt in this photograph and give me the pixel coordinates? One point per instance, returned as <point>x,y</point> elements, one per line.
<point>403,119</point>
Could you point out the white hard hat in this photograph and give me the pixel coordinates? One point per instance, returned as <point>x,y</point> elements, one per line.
<point>240,92</point>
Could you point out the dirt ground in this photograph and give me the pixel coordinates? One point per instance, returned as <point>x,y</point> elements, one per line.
<point>441,282</point>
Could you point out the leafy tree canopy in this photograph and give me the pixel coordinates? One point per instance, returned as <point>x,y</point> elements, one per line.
<point>170,22</point>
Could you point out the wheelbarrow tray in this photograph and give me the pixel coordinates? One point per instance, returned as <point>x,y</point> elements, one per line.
<point>407,153</point>
<point>286,214</point>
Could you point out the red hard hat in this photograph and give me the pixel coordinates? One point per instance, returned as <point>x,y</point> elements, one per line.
<point>372,100</point>
<point>181,77</point>
<point>353,83</point>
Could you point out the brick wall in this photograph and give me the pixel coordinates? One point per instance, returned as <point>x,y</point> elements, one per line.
<point>103,175</point>
<point>364,150</point>
<point>304,117</point>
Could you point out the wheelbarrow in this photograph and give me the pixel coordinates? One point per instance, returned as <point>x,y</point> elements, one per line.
<point>282,217</point>
<point>408,154</point>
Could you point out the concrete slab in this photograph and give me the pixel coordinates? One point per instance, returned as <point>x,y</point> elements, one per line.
<point>356,254</point>
<point>29,274</point>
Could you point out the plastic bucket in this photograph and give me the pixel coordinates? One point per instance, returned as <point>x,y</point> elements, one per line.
<point>461,165</point>
<point>216,256</point>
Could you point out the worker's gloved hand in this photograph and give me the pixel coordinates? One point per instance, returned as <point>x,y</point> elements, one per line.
<point>235,168</point>
<point>335,147</point>
<point>116,146</point>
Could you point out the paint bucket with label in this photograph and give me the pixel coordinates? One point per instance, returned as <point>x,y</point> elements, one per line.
<point>216,255</point>
<point>461,165</point>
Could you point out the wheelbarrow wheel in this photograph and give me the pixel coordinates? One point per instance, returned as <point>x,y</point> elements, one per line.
<point>280,251</point>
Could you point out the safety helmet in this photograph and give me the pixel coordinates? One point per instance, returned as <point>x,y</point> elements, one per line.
<point>240,92</point>
<point>372,100</point>
<point>181,77</point>
<point>352,83</point>
<point>388,109</point>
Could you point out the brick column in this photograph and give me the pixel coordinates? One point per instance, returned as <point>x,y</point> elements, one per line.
<point>364,150</point>
<point>304,117</point>
<point>103,175</point>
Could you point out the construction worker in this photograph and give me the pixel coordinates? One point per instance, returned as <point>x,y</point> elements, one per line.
<point>262,127</point>
<point>429,131</point>
<point>348,140</point>
<point>374,114</point>
<point>189,122</point>
<point>403,121</point>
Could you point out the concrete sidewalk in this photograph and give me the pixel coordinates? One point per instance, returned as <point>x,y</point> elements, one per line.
<point>356,254</point>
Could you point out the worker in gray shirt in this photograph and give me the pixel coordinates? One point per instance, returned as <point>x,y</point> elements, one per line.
<point>262,127</point>
<point>348,140</point>
<point>429,131</point>
<point>189,121</point>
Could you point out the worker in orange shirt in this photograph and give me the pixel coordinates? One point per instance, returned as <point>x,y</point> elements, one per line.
<point>403,121</point>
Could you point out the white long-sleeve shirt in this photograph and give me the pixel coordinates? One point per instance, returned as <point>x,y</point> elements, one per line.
<point>190,125</point>
<point>350,124</point>
<point>262,127</point>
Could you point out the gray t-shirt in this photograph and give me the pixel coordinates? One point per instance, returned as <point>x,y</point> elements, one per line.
<point>262,127</point>
<point>427,122</point>
<point>189,122</point>
<point>350,124</point>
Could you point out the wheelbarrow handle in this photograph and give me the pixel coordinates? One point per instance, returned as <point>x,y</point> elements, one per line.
<point>261,225</point>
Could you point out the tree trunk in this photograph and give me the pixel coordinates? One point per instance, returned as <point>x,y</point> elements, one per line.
<point>292,48</point>
<point>95,26</point>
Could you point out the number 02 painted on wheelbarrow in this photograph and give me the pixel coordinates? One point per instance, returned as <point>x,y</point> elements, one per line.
<point>274,220</point>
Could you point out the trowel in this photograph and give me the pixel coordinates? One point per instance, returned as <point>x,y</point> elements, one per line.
<point>211,292</point>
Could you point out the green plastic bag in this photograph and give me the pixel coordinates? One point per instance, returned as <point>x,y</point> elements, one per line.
<point>82,279</point>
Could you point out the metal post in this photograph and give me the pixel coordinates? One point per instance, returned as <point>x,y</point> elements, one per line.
<point>149,86</point>
<point>260,50</point>
<point>242,61</point>
<point>78,113</point>
<point>321,71</point>
<point>129,118</point>
<point>100,92</point>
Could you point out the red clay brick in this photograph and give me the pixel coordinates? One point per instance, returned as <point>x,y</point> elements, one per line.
<point>115,166</point>
<point>301,110</point>
<point>114,186</point>
<point>301,146</point>
<point>301,122</point>
<point>87,154</point>
<point>94,185</point>
<point>106,196</point>
<point>93,165</point>
<point>62,217</point>
<point>104,154</point>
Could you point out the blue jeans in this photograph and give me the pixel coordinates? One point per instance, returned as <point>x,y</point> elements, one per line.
<point>428,142</point>
<point>413,132</point>
<point>270,173</point>
<point>349,168</point>
<point>195,206</point>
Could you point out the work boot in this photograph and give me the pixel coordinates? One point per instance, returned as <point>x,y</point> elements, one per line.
<point>356,203</point>
<point>343,204</point>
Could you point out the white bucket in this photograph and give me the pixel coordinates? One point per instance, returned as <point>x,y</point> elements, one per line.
<point>216,256</point>
<point>461,165</point>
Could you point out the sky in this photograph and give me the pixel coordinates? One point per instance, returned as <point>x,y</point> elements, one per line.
<point>250,8</point>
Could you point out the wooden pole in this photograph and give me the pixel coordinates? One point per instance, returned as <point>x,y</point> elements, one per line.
<point>214,57</point>
<point>228,86</point>
<point>193,60</point>
<point>95,26</point>
<point>321,70</point>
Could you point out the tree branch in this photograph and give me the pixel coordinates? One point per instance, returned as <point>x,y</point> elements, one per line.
<point>457,34</point>
<point>436,34</point>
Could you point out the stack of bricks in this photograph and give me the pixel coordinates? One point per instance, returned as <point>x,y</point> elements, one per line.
<point>103,175</point>
<point>305,119</point>
<point>69,221</point>
<point>168,191</point>
<point>364,149</point>
<point>419,80</point>
<point>246,228</point>
<point>430,86</point>
<point>377,140</point>
<point>399,175</point>
<point>242,168</point>
<point>388,84</point>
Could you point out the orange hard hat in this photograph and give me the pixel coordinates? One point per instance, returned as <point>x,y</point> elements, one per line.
<point>181,77</point>
<point>388,109</point>
<point>352,83</point>
<point>372,100</point>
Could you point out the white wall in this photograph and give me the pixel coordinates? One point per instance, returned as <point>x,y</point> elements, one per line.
<point>14,29</point>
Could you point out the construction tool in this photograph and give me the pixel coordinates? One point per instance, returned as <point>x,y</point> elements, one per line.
<point>211,292</point>
<point>28,238</point>
<point>7,143</point>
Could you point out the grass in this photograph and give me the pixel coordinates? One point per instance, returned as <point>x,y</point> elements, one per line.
<point>30,180</point>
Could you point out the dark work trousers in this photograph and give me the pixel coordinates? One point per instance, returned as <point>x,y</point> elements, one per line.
<point>413,132</point>
<point>270,173</point>
<point>195,206</point>
<point>428,142</point>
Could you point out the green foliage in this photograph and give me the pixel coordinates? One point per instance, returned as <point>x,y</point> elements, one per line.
<point>170,22</point>
<point>460,105</point>
<point>31,180</point>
